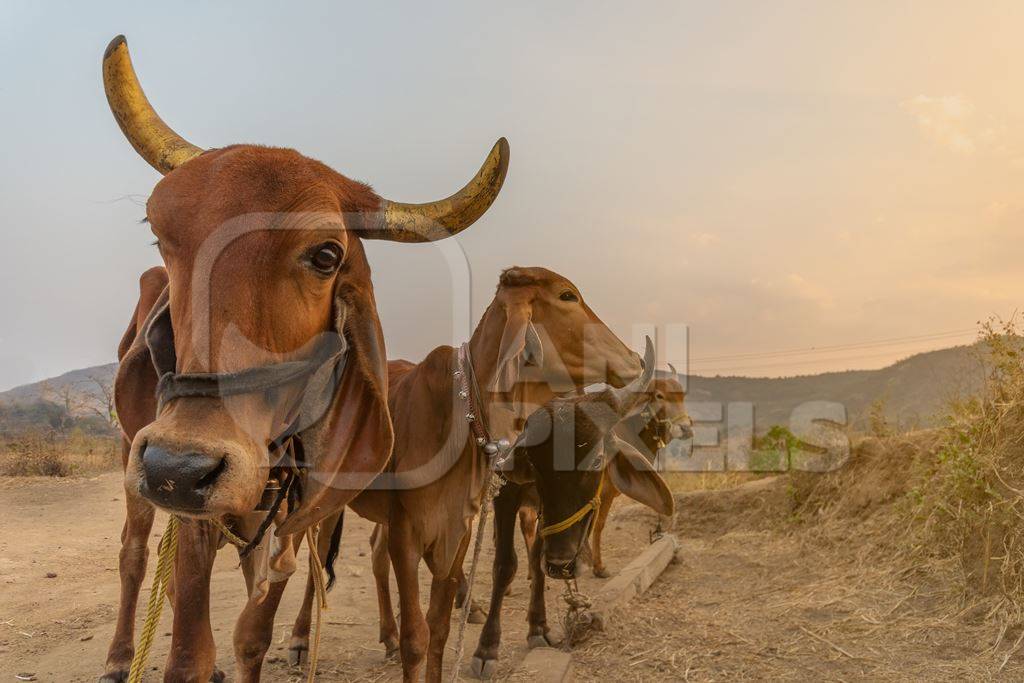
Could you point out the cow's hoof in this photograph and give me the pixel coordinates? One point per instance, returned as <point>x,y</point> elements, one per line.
<point>533,642</point>
<point>118,676</point>
<point>483,668</point>
<point>298,655</point>
<point>391,649</point>
<point>601,572</point>
<point>218,676</point>
<point>477,615</point>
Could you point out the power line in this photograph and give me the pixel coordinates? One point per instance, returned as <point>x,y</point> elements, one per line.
<point>894,341</point>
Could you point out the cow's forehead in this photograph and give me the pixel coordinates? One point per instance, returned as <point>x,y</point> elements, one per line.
<point>224,184</point>
<point>668,385</point>
<point>534,276</point>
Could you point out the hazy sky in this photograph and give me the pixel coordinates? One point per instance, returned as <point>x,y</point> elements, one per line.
<point>777,175</point>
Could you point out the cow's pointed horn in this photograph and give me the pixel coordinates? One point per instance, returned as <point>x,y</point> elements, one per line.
<point>672,368</point>
<point>433,221</point>
<point>628,396</point>
<point>648,374</point>
<point>153,139</point>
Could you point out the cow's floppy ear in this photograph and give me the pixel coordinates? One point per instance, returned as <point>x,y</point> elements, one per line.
<point>520,345</point>
<point>350,444</point>
<point>634,476</point>
<point>137,375</point>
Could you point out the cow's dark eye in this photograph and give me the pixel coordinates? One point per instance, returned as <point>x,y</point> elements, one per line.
<point>326,257</point>
<point>658,396</point>
<point>568,295</point>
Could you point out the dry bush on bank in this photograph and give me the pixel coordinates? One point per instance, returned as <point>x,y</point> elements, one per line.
<point>969,503</point>
<point>42,454</point>
<point>946,504</point>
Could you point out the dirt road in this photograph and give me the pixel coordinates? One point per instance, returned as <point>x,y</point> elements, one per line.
<point>58,628</point>
<point>754,596</point>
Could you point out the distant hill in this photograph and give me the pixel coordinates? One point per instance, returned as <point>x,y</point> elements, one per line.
<point>913,390</point>
<point>86,383</point>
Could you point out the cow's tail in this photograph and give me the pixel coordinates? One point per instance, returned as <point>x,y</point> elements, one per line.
<point>332,550</point>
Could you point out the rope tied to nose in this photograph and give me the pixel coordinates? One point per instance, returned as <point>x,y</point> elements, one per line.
<point>166,553</point>
<point>316,570</point>
<point>469,391</point>
<point>168,550</point>
<point>493,486</point>
<point>578,620</point>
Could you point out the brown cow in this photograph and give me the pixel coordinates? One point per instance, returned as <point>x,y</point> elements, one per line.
<point>565,455</point>
<point>536,337</point>
<point>266,330</point>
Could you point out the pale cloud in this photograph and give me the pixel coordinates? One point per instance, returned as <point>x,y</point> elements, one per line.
<point>800,287</point>
<point>792,290</point>
<point>704,239</point>
<point>945,119</point>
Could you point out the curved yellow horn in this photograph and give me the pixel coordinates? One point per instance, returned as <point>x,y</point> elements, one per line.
<point>153,139</point>
<point>433,221</point>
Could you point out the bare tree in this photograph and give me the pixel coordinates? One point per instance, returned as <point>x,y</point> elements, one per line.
<point>68,399</point>
<point>100,401</point>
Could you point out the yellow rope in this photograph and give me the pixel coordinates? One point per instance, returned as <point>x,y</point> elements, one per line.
<point>493,486</point>
<point>165,563</point>
<point>316,570</point>
<point>594,504</point>
<point>233,538</point>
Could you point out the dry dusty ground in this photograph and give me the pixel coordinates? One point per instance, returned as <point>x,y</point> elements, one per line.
<point>747,600</point>
<point>59,628</point>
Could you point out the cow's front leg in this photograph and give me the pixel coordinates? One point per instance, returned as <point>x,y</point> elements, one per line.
<point>536,615</point>
<point>439,615</point>
<point>193,653</point>
<point>476,612</point>
<point>528,528</point>
<point>608,495</point>
<point>382,577</point>
<point>298,646</point>
<point>134,555</point>
<point>405,558</point>
<point>254,629</point>
<point>506,503</point>
<point>254,632</point>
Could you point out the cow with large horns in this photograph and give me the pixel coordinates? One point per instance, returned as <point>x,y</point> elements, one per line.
<point>262,333</point>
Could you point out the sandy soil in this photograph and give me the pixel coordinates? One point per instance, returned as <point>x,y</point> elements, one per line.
<point>59,628</point>
<point>752,596</point>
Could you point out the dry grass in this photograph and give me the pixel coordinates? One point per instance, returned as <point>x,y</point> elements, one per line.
<point>967,505</point>
<point>905,564</point>
<point>41,454</point>
<point>682,482</point>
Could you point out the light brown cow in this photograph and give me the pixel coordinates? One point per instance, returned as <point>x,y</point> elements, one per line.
<point>266,329</point>
<point>536,338</point>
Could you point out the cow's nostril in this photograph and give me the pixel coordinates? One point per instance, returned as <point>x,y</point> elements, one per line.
<point>210,477</point>
<point>179,480</point>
